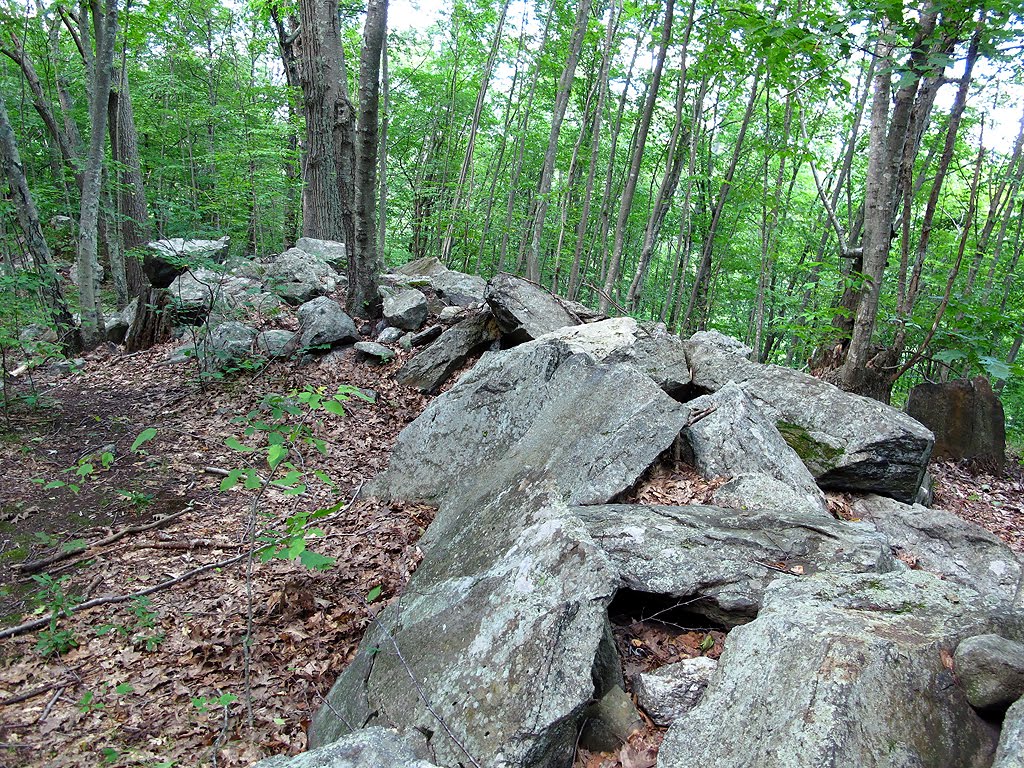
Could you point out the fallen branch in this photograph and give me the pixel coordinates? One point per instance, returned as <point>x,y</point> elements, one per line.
<point>38,565</point>
<point>31,694</point>
<point>29,626</point>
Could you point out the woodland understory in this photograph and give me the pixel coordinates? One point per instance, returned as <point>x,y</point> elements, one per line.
<point>167,679</point>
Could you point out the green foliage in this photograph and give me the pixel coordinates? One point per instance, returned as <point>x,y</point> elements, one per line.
<point>52,598</point>
<point>282,429</point>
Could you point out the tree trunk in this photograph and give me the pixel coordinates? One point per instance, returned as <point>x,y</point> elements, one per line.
<point>321,76</point>
<point>28,218</point>
<point>99,65</point>
<point>540,201</point>
<point>364,262</point>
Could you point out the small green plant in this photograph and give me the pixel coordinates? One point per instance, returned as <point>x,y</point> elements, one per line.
<point>207,703</point>
<point>53,597</point>
<point>278,433</point>
<point>89,703</point>
<point>142,630</point>
<point>139,500</point>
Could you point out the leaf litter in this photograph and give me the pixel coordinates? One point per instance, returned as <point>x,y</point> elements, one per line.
<point>162,682</point>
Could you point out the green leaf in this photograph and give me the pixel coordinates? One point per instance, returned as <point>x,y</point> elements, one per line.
<point>296,491</point>
<point>995,368</point>
<point>333,406</point>
<point>232,479</point>
<point>315,561</point>
<point>144,437</point>
<point>373,594</point>
<point>275,454</point>
<point>707,643</point>
<point>124,688</point>
<point>233,444</point>
<point>949,355</point>
<point>74,546</point>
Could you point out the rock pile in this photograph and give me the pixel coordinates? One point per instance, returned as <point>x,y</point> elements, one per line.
<point>857,641</point>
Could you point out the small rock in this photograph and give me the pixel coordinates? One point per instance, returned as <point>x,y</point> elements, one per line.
<point>272,343</point>
<point>610,722</point>
<point>389,335</point>
<point>375,352</point>
<point>369,748</point>
<point>668,693</point>
<point>323,321</point>
<point>458,288</point>
<point>991,670</point>
<point>425,336</point>
<point>406,310</point>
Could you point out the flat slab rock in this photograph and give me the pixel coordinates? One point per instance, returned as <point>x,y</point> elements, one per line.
<point>523,310</point>
<point>848,442</point>
<point>837,673</point>
<point>368,748</point>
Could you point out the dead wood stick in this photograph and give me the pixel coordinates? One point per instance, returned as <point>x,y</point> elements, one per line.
<point>49,705</point>
<point>31,694</point>
<point>38,565</point>
<point>29,626</point>
<point>177,544</point>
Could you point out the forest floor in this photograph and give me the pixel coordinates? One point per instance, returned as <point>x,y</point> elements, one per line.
<point>226,657</point>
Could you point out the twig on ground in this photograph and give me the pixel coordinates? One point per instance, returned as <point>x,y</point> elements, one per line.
<point>31,694</point>
<point>49,705</point>
<point>38,565</point>
<point>28,626</point>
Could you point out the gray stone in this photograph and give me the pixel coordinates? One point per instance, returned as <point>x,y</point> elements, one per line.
<point>330,252</point>
<point>426,336</point>
<point>297,276</point>
<point>117,325</point>
<point>730,437</point>
<point>668,693</point>
<point>846,671</point>
<point>374,352</point>
<point>389,335</point>
<point>368,748</point>
<point>273,343</point>
<point>1010,753</point>
<point>196,293</point>
<point>609,722</point>
<point>523,310</point>
<point>848,442</point>
<point>406,310</point>
<point>245,266</point>
<point>33,333</point>
<point>722,343</point>
<point>966,417</point>
<point>722,561</point>
<point>432,367</point>
<point>453,314</point>
<point>946,545</point>
<point>428,266</point>
<point>458,288</point>
<point>191,250</point>
<point>322,321</point>
<point>504,648</point>
<point>647,347</point>
<point>991,670</point>
<point>228,343</point>
<point>523,402</point>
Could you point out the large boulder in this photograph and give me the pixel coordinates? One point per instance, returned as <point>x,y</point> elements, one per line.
<point>368,748</point>
<point>196,293</point>
<point>504,622</point>
<point>322,321</point>
<point>406,310</point>
<point>1010,753</point>
<point>428,266</point>
<point>331,252</point>
<point>648,347</point>
<point>848,442</point>
<point>966,417</point>
<point>297,276</point>
<point>523,310</point>
<point>946,545</point>
<point>849,671</point>
<point>458,289</point>
<point>432,367</point>
<point>720,562</point>
<point>729,436</point>
<point>525,402</point>
<point>170,257</point>
<point>668,693</point>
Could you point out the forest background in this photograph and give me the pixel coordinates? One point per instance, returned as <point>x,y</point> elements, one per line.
<point>836,183</point>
